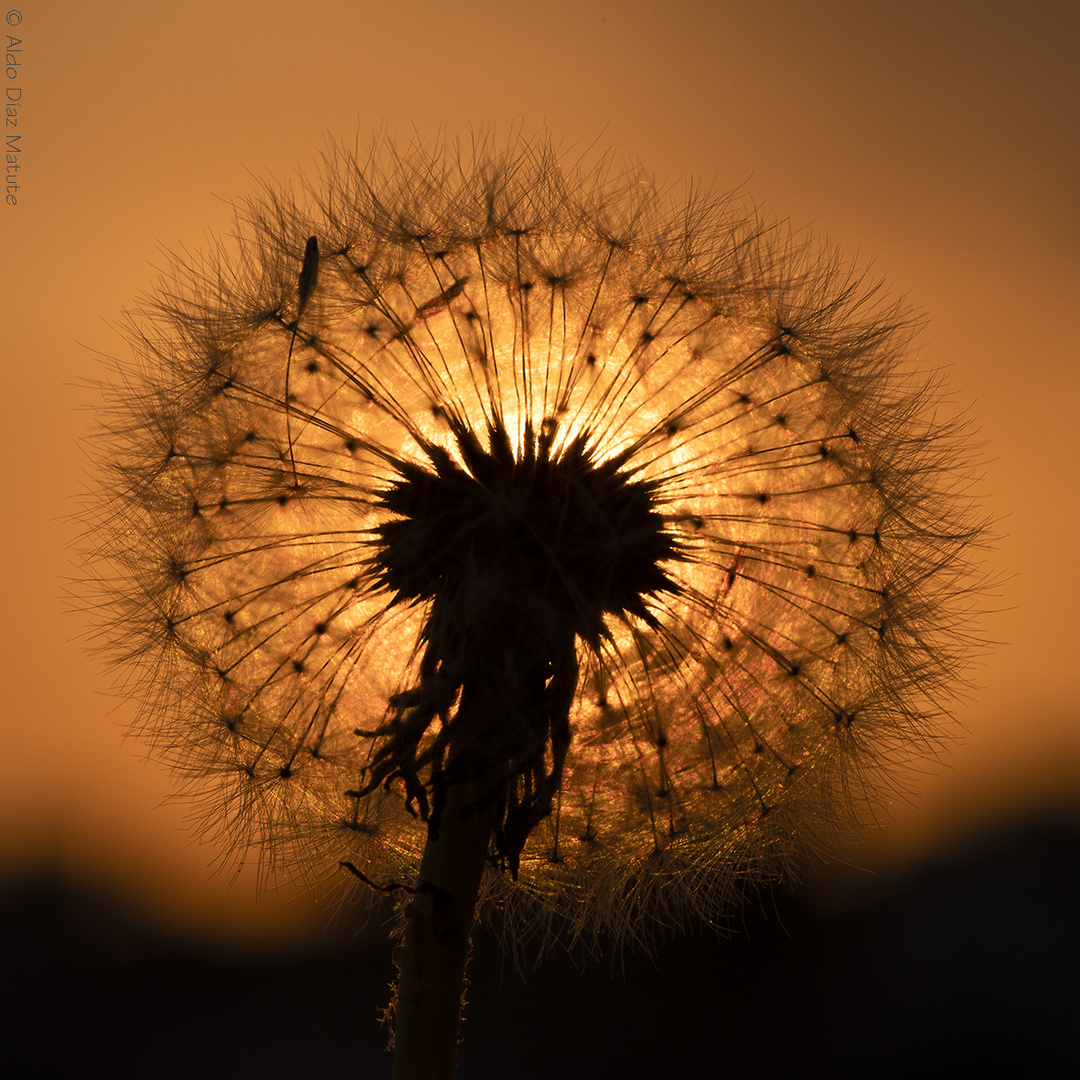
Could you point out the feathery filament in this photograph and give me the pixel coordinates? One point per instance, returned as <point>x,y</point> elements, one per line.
<point>632,506</point>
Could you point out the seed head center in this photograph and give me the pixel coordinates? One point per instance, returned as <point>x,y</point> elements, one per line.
<point>552,534</point>
<point>518,555</point>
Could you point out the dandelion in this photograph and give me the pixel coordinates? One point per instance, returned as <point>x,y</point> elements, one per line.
<point>519,535</point>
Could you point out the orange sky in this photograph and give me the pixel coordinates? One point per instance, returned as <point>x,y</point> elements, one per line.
<point>937,142</point>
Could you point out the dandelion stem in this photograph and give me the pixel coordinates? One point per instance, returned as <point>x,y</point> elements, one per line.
<point>436,946</point>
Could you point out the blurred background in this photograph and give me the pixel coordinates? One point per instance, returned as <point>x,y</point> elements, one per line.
<point>937,143</point>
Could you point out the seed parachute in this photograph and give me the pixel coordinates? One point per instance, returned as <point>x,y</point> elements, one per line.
<point>475,467</point>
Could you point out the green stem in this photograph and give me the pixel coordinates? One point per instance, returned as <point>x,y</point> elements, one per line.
<point>435,950</point>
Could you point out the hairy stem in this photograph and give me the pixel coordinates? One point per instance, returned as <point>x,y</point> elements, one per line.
<point>436,947</point>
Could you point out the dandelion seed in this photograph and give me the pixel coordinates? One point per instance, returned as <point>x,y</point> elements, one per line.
<point>606,538</point>
<point>309,274</point>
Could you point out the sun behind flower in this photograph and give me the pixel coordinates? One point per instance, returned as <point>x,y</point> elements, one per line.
<point>483,471</point>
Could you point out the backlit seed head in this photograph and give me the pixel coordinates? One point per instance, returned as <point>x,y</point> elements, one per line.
<point>479,468</point>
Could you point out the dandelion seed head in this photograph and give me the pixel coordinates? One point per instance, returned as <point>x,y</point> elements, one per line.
<point>632,505</point>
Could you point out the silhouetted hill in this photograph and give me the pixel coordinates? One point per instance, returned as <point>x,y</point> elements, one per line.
<point>966,967</point>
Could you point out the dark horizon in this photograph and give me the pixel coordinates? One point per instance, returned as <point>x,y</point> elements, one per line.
<point>966,964</point>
